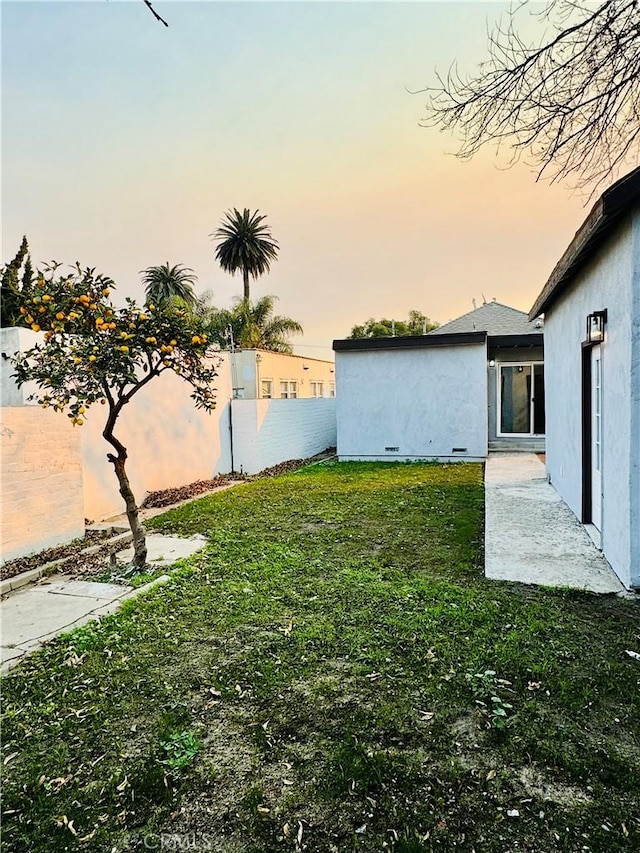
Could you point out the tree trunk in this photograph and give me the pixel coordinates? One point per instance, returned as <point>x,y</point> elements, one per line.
<point>139,542</point>
<point>245,279</point>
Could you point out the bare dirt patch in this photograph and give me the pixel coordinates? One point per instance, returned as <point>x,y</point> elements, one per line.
<point>537,785</point>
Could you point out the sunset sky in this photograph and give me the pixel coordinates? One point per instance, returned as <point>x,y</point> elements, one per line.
<point>123,143</point>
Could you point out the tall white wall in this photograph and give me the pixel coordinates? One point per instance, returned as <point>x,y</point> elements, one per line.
<point>42,498</point>
<point>170,442</point>
<point>611,281</point>
<point>41,484</point>
<point>54,475</point>
<point>13,340</point>
<point>266,432</point>
<point>424,401</point>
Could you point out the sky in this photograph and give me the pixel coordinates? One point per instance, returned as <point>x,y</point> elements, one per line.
<point>124,143</point>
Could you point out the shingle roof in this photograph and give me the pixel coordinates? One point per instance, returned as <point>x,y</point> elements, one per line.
<point>493,318</point>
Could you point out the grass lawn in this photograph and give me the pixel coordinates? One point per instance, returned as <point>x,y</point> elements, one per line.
<point>333,673</point>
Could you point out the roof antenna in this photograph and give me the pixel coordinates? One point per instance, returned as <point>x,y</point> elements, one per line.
<point>484,299</point>
<point>473,302</point>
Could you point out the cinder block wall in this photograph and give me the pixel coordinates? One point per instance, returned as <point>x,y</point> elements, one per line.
<point>267,432</point>
<point>42,494</point>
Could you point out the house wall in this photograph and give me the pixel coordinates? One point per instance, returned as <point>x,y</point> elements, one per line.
<point>267,432</point>
<point>423,401</point>
<point>251,366</point>
<point>610,280</point>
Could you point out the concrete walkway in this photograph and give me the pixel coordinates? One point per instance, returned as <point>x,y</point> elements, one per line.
<point>35,614</point>
<point>38,612</point>
<point>531,535</point>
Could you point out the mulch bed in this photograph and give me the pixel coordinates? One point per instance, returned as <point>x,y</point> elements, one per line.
<point>167,497</point>
<point>34,561</point>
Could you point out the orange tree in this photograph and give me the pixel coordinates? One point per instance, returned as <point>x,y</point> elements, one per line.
<point>94,352</point>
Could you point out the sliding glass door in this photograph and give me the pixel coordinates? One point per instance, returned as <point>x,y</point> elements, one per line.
<point>521,399</point>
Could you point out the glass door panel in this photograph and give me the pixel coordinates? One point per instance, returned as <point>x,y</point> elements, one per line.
<point>515,399</point>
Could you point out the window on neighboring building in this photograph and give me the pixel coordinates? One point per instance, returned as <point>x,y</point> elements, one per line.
<point>288,389</point>
<point>267,389</point>
<point>316,389</point>
<point>332,389</point>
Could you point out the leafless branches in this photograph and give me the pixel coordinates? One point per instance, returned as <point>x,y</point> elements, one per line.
<point>147,3</point>
<point>571,104</point>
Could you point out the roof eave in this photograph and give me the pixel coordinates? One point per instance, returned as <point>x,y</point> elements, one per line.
<point>605,213</point>
<point>409,342</point>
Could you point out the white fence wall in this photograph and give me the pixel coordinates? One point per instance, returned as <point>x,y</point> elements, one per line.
<point>42,496</point>
<point>54,475</point>
<point>169,441</point>
<point>266,432</point>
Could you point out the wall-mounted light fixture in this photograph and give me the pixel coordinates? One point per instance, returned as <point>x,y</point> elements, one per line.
<point>492,363</point>
<point>305,367</point>
<point>595,326</point>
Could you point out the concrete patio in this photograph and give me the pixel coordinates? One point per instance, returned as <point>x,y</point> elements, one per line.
<point>531,535</point>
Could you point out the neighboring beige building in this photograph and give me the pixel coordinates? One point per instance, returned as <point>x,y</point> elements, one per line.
<point>260,374</point>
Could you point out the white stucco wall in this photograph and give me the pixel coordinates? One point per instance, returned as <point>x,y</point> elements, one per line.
<point>424,401</point>
<point>170,443</point>
<point>267,432</point>
<point>611,281</point>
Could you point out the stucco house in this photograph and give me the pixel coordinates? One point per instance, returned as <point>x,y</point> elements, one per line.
<point>474,384</point>
<point>265,375</point>
<point>591,306</point>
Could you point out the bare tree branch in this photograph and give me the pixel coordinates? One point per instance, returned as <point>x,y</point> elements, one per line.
<point>571,105</point>
<point>147,3</point>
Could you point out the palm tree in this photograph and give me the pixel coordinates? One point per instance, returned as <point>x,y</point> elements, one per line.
<point>254,326</point>
<point>164,283</point>
<point>245,243</point>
